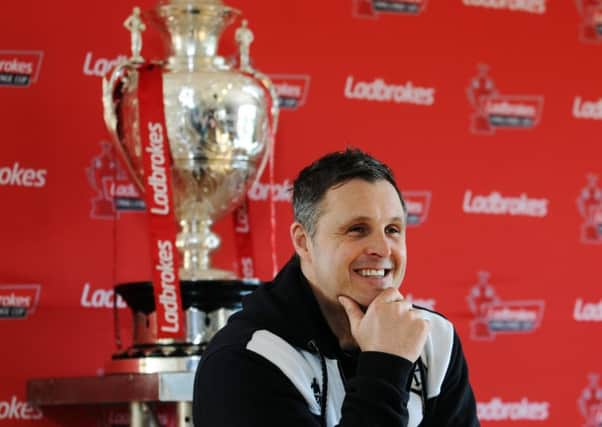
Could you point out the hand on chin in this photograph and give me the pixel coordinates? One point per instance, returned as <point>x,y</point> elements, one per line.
<point>364,295</point>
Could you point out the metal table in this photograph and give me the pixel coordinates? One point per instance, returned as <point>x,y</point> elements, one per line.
<point>135,389</point>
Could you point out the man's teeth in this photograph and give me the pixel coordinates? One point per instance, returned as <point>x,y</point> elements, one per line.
<point>371,272</point>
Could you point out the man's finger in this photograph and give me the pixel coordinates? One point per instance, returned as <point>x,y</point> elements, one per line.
<point>389,295</point>
<point>353,310</point>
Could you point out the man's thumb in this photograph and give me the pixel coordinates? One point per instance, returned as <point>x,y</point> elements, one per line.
<point>353,310</point>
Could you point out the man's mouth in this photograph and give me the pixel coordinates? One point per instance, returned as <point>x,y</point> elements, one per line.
<point>373,272</point>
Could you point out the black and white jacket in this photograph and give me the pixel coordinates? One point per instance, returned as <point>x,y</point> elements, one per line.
<point>278,363</point>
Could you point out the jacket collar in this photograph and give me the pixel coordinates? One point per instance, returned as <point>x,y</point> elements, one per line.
<point>301,320</point>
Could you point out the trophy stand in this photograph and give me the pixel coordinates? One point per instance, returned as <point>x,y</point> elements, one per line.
<point>139,391</point>
<point>207,306</point>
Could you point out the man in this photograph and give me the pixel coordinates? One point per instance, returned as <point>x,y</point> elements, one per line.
<point>331,341</point>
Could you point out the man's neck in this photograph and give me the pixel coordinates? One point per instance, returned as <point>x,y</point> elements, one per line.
<point>333,312</point>
<point>337,320</point>
<point>335,316</point>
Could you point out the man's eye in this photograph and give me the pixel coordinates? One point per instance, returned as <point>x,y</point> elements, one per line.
<point>357,229</point>
<point>393,229</point>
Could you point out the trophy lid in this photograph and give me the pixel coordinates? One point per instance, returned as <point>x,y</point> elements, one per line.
<point>208,11</point>
<point>191,2</point>
<point>191,29</point>
<point>198,6</point>
<point>186,2</point>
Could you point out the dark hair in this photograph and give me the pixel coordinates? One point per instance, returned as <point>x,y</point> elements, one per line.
<point>329,171</point>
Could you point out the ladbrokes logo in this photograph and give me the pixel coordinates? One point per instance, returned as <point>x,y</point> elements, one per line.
<point>591,20</point>
<point>14,410</point>
<point>587,311</point>
<point>529,6</point>
<point>100,66</point>
<point>114,190</point>
<point>497,204</point>
<point>590,402</point>
<point>292,89</point>
<point>589,204</point>
<point>493,110</point>
<point>19,68</point>
<point>372,8</point>
<point>100,298</point>
<point>381,91</point>
<point>498,410</point>
<point>18,301</point>
<point>584,109</point>
<point>18,176</point>
<point>281,192</point>
<point>418,204</point>
<point>493,316</point>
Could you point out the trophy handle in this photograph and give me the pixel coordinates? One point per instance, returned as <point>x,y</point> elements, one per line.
<point>244,37</point>
<point>274,111</point>
<point>112,96</point>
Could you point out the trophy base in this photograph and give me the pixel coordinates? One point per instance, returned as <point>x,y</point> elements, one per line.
<point>208,274</point>
<point>205,295</point>
<point>207,305</point>
<point>152,365</point>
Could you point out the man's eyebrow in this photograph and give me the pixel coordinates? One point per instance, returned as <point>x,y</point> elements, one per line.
<point>362,218</point>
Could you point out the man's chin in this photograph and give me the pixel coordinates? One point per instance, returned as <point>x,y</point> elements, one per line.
<point>364,300</point>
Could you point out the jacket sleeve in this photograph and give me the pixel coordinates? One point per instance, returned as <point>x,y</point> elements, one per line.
<point>236,387</point>
<point>455,406</point>
<point>378,394</point>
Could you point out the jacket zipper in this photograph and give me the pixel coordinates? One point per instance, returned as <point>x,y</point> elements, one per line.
<point>314,347</point>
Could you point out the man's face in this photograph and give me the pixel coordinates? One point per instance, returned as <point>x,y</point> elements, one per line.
<point>358,249</point>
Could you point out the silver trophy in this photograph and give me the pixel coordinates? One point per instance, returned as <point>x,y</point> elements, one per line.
<point>220,124</point>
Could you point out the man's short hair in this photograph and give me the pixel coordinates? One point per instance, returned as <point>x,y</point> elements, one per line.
<point>332,170</point>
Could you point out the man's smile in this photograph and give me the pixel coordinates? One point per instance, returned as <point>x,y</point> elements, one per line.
<point>372,272</point>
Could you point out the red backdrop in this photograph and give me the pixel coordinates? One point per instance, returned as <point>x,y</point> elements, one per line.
<point>488,111</point>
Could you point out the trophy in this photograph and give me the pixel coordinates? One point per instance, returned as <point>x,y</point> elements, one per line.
<point>219,123</point>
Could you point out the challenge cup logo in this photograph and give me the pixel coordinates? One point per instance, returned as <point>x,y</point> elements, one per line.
<point>114,191</point>
<point>591,20</point>
<point>418,204</point>
<point>19,68</point>
<point>371,8</point>
<point>590,402</point>
<point>480,90</point>
<point>291,89</point>
<point>589,204</point>
<point>494,316</point>
<point>18,301</point>
<point>481,297</point>
<point>493,110</point>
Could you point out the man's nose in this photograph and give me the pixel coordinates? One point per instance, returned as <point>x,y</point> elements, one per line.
<point>379,244</point>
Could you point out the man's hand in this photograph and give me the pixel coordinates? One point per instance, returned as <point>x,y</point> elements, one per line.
<point>389,325</point>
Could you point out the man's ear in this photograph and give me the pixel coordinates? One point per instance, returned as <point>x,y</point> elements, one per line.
<point>300,239</point>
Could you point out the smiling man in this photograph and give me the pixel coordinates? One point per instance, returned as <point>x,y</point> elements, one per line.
<point>331,340</point>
